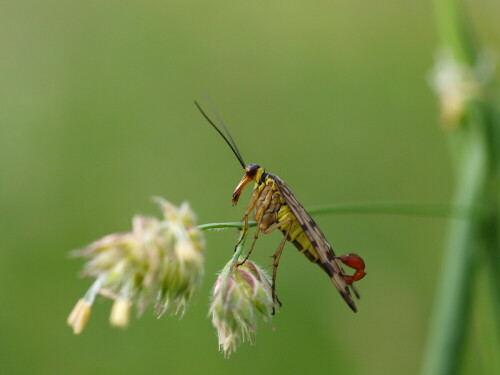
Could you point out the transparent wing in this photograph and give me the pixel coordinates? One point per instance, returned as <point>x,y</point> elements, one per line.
<point>326,256</point>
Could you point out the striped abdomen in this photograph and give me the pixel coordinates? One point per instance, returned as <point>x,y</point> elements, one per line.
<point>297,236</point>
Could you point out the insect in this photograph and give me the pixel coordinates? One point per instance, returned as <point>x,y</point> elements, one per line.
<point>275,207</point>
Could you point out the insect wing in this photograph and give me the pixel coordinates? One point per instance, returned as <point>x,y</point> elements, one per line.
<point>326,256</point>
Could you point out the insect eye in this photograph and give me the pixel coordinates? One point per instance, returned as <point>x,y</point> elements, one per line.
<point>251,170</point>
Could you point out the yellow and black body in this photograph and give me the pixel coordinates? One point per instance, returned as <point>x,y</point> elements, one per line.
<point>276,207</point>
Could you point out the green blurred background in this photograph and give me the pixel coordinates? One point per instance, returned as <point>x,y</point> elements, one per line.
<point>97,116</point>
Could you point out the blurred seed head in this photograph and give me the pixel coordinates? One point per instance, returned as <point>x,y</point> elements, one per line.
<point>240,295</point>
<point>159,261</point>
<point>456,83</point>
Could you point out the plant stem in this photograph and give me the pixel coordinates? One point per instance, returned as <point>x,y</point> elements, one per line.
<point>396,208</point>
<point>453,300</point>
<point>453,32</point>
<point>383,208</point>
<point>466,237</point>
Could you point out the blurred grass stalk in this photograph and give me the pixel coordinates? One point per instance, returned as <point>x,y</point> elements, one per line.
<point>473,242</point>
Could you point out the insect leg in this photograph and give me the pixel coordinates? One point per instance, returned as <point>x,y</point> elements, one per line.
<point>255,236</point>
<point>276,256</point>
<point>251,206</point>
<point>262,201</point>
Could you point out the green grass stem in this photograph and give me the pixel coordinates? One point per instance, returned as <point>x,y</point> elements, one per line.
<point>379,208</point>
<point>467,241</point>
<point>453,301</point>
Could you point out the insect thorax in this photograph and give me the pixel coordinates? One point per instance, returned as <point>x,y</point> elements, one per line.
<point>271,208</point>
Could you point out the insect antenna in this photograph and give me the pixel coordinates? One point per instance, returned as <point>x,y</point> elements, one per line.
<point>219,120</point>
<point>231,145</point>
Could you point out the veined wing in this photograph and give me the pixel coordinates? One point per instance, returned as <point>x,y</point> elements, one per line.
<point>326,256</point>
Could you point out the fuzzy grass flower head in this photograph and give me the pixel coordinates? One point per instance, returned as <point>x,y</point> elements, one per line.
<point>240,295</point>
<point>159,261</point>
<point>456,83</point>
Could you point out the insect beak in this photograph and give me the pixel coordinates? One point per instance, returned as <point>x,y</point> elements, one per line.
<point>236,194</point>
